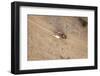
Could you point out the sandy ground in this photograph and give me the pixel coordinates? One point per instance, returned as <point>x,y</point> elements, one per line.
<point>43,45</point>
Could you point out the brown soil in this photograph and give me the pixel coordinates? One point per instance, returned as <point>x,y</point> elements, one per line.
<point>43,45</point>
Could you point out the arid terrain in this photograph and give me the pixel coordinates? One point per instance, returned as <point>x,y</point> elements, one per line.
<point>57,37</point>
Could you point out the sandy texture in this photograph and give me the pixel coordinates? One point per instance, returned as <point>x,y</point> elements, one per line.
<point>43,45</point>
